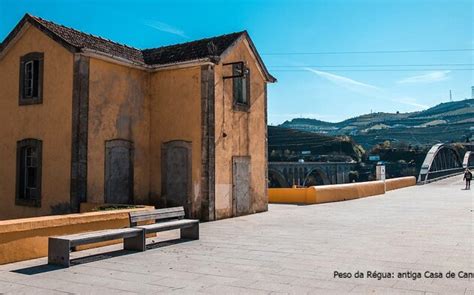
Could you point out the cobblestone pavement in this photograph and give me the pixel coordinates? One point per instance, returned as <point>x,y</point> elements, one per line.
<point>289,249</point>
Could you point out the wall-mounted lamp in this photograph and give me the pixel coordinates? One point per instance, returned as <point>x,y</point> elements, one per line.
<point>239,70</point>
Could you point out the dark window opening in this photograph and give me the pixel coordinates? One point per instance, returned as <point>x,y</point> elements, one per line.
<point>31,78</point>
<point>29,153</point>
<point>241,85</point>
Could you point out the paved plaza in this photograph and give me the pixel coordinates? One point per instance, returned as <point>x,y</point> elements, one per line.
<point>289,249</point>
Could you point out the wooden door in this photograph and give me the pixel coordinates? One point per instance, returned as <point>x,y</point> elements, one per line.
<point>241,185</point>
<point>118,172</point>
<point>176,174</point>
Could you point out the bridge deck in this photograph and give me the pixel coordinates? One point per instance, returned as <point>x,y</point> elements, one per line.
<point>290,249</point>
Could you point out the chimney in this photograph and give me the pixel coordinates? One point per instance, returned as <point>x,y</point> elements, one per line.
<point>472,92</point>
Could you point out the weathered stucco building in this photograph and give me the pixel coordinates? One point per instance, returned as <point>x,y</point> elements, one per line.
<point>85,119</point>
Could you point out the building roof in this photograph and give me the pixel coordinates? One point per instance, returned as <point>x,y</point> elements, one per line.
<point>77,41</point>
<point>80,40</point>
<point>194,50</point>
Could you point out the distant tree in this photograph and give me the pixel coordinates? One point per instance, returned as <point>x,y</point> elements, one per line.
<point>274,153</point>
<point>353,176</point>
<point>402,145</point>
<point>386,144</point>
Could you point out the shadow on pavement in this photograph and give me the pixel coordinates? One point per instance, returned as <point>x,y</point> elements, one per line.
<point>155,245</point>
<point>38,269</point>
<point>33,270</point>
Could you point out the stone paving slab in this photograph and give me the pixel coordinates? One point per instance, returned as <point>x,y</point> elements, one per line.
<point>288,250</point>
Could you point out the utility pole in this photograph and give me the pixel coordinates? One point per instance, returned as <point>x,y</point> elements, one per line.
<point>450,96</point>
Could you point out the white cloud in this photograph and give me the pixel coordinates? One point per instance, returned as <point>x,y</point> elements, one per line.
<point>367,89</point>
<point>345,82</point>
<point>409,101</point>
<point>435,76</point>
<point>164,27</point>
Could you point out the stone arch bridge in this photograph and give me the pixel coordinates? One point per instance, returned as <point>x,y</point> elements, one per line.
<point>286,174</point>
<point>442,160</point>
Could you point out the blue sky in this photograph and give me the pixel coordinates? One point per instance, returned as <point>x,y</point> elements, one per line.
<point>329,87</point>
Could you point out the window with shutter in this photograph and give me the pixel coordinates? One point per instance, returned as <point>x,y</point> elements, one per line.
<point>241,87</point>
<point>29,154</point>
<point>31,78</point>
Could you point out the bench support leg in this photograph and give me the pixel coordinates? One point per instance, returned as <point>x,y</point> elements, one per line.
<point>190,232</point>
<point>58,252</point>
<point>136,243</point>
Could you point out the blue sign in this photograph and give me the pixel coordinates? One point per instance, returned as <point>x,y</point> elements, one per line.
<point>374,158</point>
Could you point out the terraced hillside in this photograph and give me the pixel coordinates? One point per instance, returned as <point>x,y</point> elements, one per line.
<point>446,122</point>
<point>291,145</point>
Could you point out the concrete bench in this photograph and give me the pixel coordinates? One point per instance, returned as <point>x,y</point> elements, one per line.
<point>166,219</point>
<point>133,238</point>
<point>60,247</point>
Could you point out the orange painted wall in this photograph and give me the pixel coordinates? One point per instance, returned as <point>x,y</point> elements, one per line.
<point>147,108</point>
<point>175,106</point>
<point>245,134</point>
<point>118,109</point>
<point>23,239</point>
<point>50,121</point>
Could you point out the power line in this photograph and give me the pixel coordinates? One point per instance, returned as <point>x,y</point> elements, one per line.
<point>370,66</point>
<point>378,70</point>
<point>370,52</point>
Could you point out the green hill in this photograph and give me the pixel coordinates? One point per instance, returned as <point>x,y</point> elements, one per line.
<point>291,145</point>
<point>446,122</point>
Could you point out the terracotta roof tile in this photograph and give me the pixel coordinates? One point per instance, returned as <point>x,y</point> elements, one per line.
<point>83,40</point>
<point>76,41</point>
<point>191,50</point>
<point>162,55</point>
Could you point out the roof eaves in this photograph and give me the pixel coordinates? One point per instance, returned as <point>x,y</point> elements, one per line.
<point>27,18</point>
<point>270,77</point>
<point>32,20</point>
<point>37,23</point>
<point>97,53</point>
<point>229,48</point>
<point>183,63</point>
<point>143,66</point>
<point>193,41</point>
<point>14,32</point>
